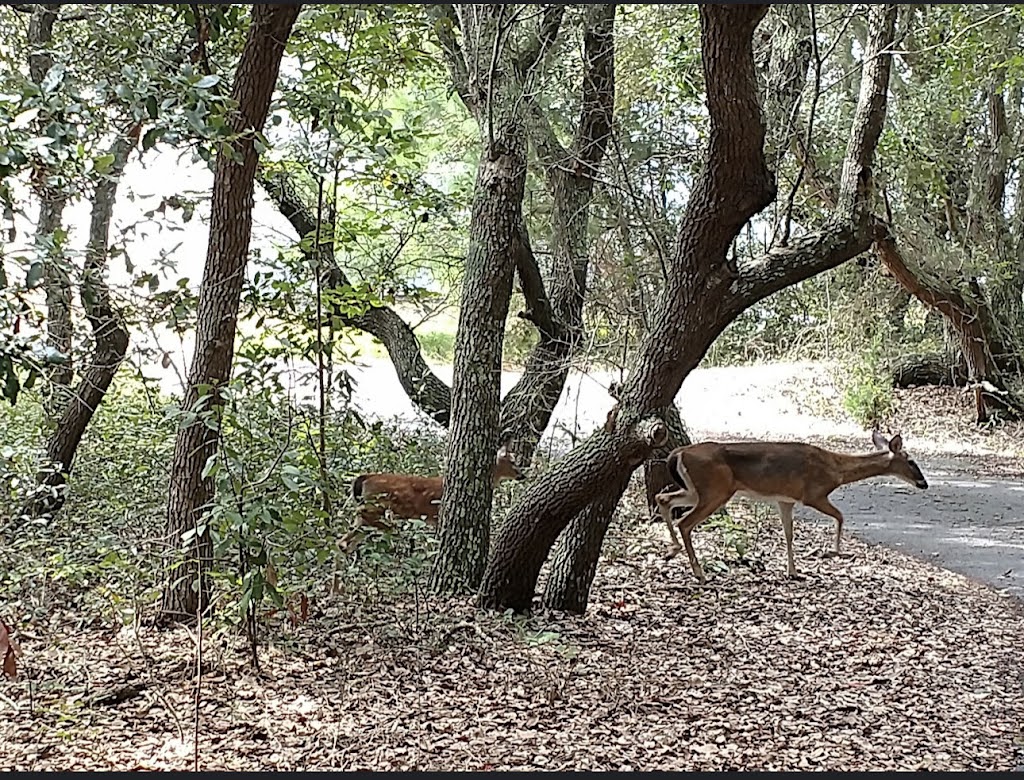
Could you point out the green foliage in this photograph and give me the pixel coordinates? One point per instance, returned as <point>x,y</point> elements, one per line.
<point>868,395</point>
<point>437,345</point>
<point>272,535</point>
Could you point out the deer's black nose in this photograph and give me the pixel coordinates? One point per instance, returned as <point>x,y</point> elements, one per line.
<point>921,483</point>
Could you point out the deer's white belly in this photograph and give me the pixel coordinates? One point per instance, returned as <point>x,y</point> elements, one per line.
<point>763,497</point>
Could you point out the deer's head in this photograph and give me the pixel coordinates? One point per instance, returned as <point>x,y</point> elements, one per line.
<point>900,463</point>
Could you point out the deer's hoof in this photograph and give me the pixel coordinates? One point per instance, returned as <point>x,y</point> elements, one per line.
<point>796,576</point>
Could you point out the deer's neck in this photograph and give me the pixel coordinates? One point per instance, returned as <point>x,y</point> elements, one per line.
<point>854,468</point>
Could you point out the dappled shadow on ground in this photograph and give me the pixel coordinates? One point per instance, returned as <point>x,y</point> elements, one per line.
<point>876,662</point>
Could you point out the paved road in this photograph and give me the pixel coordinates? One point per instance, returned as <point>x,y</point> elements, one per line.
<point>970,525</point>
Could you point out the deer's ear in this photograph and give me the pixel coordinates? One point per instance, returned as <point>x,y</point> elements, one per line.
<point>896,443</point>
<point>880,441</point>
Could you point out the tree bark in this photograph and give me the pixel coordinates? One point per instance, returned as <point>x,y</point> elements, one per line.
<point>186,591</point>
<point>52,201</point>
<point>496,240</point>
<point>703,292</point>
<point>967,322</point>
<point>109,333</point>
<point>575,562</point>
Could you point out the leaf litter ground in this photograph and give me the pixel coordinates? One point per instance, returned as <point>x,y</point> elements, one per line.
<point>876,662</point>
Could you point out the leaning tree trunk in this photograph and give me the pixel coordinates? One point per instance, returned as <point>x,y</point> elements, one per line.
<point>968,322</point>
<point>186,591</point>
<point>109,333</point>
<point>704,291</point>
<point>49,244</point>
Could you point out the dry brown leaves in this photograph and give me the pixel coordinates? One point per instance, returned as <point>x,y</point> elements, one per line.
<point>878,662</point>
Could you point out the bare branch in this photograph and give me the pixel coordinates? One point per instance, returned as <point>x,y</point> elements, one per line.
<point>547,33</point>
<point>446,22</point>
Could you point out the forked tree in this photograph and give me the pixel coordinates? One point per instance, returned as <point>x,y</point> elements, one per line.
<point>706,289</point>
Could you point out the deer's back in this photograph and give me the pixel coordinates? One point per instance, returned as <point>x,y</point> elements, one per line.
<point>770,470</point>
<point>406,495</point>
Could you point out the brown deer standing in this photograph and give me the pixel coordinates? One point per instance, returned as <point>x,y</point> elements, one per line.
<point>785,473</point>
<point>410,496</point>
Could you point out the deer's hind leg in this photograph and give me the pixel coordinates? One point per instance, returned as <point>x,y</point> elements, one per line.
<point>701,512</point>
<point>826,507</point>
<point>669,500</point>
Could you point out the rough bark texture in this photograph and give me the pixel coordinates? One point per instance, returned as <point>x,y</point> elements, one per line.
<point>575,561</point>
<point>967,322</point>
<point>703,292</point>
<point>187,589</point>
<point>52,201</point>
<point>496,236</point>
<point>109,334</point>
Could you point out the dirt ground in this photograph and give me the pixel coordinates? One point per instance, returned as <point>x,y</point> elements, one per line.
<point>880,661</point>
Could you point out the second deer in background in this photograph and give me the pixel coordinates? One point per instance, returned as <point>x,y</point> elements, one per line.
<point>410,496</point>
<point>784,473</point>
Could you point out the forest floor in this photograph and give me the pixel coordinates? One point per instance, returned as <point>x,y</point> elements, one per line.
<point>880,661</point>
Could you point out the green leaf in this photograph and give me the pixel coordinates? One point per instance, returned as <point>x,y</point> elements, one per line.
<point>151,107</point>
<point>207,81</point>
<point>151,137</point>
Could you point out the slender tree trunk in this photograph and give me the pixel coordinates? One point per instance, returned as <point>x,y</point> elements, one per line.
<point>49,240</point>
<point>109,333</point>
<point>495,238</point>
<point>187,589</point>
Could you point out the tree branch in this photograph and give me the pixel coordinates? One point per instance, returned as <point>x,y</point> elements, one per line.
<point>547,33</point>
<point>446,22</point>
<point>421,384</point>
<point>595,123</point>
<point>849,232</point>
<point>855,185</point>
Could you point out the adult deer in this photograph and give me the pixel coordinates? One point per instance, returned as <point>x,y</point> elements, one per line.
<point>411,496</point>
<point>785,473</point>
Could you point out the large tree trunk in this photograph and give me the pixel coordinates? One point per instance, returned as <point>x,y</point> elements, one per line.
<point>704,291</point>
<point>187,590</point>
<point>109,333</point>
<point>49,245</point>
<point>968,320</point>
